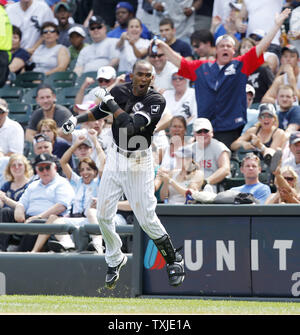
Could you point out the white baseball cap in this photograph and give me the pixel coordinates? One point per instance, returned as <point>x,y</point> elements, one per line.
<point>106,72</point>
<point>250,89</point>
<point>77,29</point>
<point>202,123</point>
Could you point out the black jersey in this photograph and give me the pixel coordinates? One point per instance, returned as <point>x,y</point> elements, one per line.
<point>150,106</point>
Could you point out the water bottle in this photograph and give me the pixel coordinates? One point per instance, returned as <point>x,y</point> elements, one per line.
<point>154,46</point>
<point>166,200</point>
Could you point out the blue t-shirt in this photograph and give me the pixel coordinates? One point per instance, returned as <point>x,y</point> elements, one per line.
<point>117,32</point>
<point>183,48</point>
<point>291,116</point>
<point>260,191</point>
<point>13,194</point>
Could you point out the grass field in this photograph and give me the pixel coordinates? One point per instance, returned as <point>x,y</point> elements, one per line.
<point>135,306</point>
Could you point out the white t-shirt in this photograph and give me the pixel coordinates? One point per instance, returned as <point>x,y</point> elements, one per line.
<point>98,54</point>
<point>186,106</point>
<point>163,80</point>
<point>127,56</point>
<point>12,137</point>
<point>261,15</point>
<point>30,21</point>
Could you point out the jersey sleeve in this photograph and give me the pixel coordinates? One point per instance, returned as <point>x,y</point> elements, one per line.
<point>250,61</point>
<point>187,68</point>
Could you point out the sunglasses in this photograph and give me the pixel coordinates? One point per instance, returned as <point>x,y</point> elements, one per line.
<point>102,80</point>
<point>42,168</point>
<point>289,178</point>
<point>96,27</point>
<point>45,31</point>
<point>200,131</point>
<point>157,56</point>
<point>178,78</point>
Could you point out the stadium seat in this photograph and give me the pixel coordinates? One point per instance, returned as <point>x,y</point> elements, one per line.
<point>11,94</point>
<point>20,112</point>
<point>61,79</point>
<point>29,79</point>
<point>29,97</point>
<point>66,96</point>
<point>92,74</point>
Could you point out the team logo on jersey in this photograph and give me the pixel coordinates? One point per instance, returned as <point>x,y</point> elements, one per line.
<point>230,70</point>
<point>155,109</point>
<point>137,107</point>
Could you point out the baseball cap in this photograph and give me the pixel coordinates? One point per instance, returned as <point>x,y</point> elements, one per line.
<point>235,5</point>
<point>77,29</point>
<point>106,72</point>
<point>225,37</point>
<point>44,158</point>
<point>266,108</point>
<point>126,5</point>
<point>86,106</point>
<point>291,48</point>
<point>257,34</point>
<point>96,19</point>
<point>87,143</point>
<point>250,89</point>
<point>41,138</point>
<point>295,137</point>
<point>202,123</point>
<point>3,106</point>
<point>62,4</point>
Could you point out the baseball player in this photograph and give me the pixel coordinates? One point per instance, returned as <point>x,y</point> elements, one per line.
<point>136,109</point>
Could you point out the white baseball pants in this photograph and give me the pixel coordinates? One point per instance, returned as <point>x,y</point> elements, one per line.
<point>134,177</point>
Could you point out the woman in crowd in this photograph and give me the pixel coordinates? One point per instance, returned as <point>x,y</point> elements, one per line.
<point>286,179</point>
<point>131,46</point>
<point>18,173</point>
<point>50,57</point>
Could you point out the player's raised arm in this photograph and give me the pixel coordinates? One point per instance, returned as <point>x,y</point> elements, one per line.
<point>263,45</point>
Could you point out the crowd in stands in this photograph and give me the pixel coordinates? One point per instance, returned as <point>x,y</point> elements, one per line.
<point>248,142</point>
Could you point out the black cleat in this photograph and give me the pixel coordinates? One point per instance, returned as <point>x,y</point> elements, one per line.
<point>113,274</point>
<point>175,271</point>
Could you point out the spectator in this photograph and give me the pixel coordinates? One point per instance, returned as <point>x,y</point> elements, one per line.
<point>29,15</point>
<point>221,8</point>
<point>294,28</point>
<point>252,113</point>
<point>11,132</point>
<point>163,71</point>
<point>77,36</point>
<point>62,12</point>
<point>101,52</point>
<point>131,45</point>
<point>106,76</point>
<point>262,78</point>
<point>50,57</point>
<point>5,43</point>
<point>203,44</point>
<point>49,128</point>
<point>203,15</point>
<point>85,187</point>
<point>182,13</point>
<point>288,73</point>
<point>168,33</point>
<point>17,173</point>
<point>265,137</point>
<point>211,155</point>
<point>176,182</point>
<point>286,180</point>
<point>294,158</point>
<point>219,28</point>
<point>49,195</point>
<point>3,163</point>
<point>251,168</point>
<point>46,99</point>
<point>229,115</point>
<point>124,13</point>
<point>20,56</point>
<point>181,99</point>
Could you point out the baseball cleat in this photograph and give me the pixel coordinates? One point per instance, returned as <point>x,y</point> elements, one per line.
<point>175,271</point>
<point>113,274</point>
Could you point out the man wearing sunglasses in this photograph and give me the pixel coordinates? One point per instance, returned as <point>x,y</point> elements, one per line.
<point>51,194</point>
<point>101,52</point>
<point>106,76</point>
<point>221,85</point>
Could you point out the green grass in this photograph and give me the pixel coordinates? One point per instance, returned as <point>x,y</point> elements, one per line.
<point>13,304</point>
